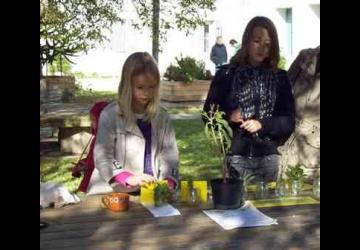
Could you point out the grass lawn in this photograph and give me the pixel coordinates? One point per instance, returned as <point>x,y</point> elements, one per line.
<point>197,161</point>
<point>86,96</point>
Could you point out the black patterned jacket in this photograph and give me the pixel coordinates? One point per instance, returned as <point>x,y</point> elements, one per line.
<point>276,128</point>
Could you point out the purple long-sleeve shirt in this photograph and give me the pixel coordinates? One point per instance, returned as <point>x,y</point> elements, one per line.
<point>145,128</point>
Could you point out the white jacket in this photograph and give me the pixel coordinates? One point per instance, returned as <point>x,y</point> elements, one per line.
<point>125,144</point>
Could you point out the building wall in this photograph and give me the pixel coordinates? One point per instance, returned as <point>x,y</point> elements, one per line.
<point>229,20</point>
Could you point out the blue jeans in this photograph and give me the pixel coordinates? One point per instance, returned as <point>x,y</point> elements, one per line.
<point>263,168</point>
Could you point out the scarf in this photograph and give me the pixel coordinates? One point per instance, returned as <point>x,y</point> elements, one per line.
<point>255,91</point>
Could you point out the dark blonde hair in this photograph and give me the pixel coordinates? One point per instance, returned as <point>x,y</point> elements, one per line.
<point>136,64</point>
<point>242,56</point>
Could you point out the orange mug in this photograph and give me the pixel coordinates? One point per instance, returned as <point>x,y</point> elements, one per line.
<point>116,202</point>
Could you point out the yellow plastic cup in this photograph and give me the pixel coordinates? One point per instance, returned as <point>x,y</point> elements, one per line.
<point>184,191</point>
<point>147,193</point>
<point>147,196</point>
<point>201,187</point>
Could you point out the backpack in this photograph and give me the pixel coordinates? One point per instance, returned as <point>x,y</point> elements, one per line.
<point>86,165</point>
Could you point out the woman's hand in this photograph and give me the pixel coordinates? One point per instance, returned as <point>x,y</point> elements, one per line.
<point>251,126</point>
<point>236,116</point>
<point>139,180</point>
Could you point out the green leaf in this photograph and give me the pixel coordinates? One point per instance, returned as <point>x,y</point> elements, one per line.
<point>219,131</point>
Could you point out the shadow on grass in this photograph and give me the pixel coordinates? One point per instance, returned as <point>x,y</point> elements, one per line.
<point>57,170</point>
<point>197,160</point>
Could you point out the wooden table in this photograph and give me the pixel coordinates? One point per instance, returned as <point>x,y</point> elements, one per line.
<point>89,226</point>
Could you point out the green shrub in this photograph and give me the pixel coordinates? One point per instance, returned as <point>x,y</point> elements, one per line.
<point>282,62</point>
<point>94,75</point>
<point>79,74</point>
<point>67,95</point>
<point>63,66</point>
<point>187,70</point>
<point>174,73</point>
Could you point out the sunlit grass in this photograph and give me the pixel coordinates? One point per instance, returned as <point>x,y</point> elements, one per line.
<point>87,96</point>
<point>186,110</point>
<point>197,160</point>
<point>56,169</point>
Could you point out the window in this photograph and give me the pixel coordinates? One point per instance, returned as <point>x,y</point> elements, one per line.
<point>206,38</point>
<point>288,20</point>
<point>285,30</point>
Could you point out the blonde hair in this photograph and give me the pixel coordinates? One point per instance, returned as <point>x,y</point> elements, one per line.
<point>136,64</point>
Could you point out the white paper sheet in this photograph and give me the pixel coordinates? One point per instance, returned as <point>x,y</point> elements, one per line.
<point>246,216</point>
<point>163,210</point>
<point>57,194</point>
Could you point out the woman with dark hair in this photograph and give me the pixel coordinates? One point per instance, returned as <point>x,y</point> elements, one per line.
<point>257,100</point>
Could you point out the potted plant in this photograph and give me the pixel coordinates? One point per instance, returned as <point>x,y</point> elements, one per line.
<point>187,70</point>
<point>295,175</point>
<point>227,193</point>
<point>157,193</point>
<point>185,81</point>
<point>162,194</point>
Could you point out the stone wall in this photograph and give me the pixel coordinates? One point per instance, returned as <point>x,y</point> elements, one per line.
<point>74,139</point>
<point>52,88</point>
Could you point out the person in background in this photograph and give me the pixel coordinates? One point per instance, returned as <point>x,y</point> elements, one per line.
<point>235,46</point>
<point>218,53</point>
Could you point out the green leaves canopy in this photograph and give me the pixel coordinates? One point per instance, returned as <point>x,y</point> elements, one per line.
<point>69,27</point>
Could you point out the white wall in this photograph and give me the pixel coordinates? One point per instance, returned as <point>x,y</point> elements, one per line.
<point>229,19</point>
<point>178,43</point>
<point>307,26</point>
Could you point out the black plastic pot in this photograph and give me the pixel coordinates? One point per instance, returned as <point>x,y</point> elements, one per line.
<point>227,195</point>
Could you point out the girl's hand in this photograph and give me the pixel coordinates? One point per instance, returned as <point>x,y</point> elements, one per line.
<point>236,116</point>
<point>251,126</point>
<point>139,180</point>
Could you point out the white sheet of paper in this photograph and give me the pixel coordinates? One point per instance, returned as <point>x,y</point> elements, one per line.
<point>246,216</point>
<point>163,210</point>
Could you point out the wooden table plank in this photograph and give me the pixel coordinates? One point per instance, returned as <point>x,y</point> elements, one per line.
<point>89,226</point>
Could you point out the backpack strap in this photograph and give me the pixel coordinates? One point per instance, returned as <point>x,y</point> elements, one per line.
<point>87,145</point>
<point>77,166</point>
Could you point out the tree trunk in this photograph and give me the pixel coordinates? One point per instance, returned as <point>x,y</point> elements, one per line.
<point>41,68</point>
<point>155,29</point>
<point>61,66</point>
